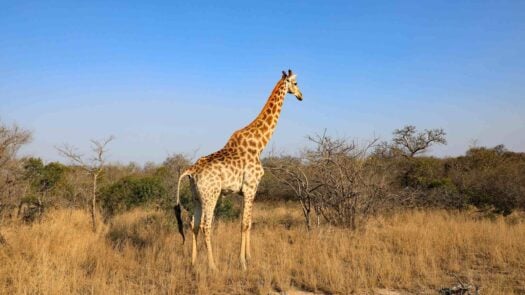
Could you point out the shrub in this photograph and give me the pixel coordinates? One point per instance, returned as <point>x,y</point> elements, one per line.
<point>226,209</point>
<point>130,192</point>
<point>491,178</point>
<point>44,181</point>
<point>43,177</point>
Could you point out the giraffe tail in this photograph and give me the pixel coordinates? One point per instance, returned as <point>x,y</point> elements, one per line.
<point>178,207</point>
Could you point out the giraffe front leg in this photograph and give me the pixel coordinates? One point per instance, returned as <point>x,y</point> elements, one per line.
<point>245,227</point>
<point>248,233</point>
<point>242,256</point>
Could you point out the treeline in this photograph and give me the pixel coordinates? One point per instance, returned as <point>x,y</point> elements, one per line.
<point>31,187</point>
<point>343,183</point>
<point>335,180</point>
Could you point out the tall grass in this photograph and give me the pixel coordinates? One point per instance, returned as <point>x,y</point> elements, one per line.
<point>140,252</point>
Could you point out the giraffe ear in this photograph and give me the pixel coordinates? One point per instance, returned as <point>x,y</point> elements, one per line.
<point>284,75</point>
<point>289,72</point>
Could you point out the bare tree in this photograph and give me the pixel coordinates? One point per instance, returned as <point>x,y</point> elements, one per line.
<point>94,166</point>
<point>335,178</point>
<point>291,172</point>
<point>346,189</point>
<point>410,142</point>
<point>176,163</point>
<point>172,167</point>
<point>11,139</point>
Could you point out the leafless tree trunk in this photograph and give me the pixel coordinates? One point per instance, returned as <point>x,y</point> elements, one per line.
<point>333,178</point>
<point>289,172</point>
<point>11,139</point>
<point>94,166</point>
<point>348,191</point>
<point>94,202</point>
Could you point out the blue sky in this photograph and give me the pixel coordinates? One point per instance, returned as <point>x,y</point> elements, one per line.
<point>167,77</point>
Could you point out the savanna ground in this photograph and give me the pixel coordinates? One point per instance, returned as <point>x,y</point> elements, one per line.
<point>412,252</point>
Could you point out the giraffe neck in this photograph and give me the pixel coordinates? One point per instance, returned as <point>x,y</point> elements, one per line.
<point>266,121</point>
<point>257,134</point>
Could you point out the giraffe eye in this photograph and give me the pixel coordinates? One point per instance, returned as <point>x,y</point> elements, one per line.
<point>295,83</point>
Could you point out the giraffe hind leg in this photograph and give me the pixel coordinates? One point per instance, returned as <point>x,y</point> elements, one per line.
<point>208,192</point>
<point>249,196</point>
<point>195,226</point>
<point>195,221</point>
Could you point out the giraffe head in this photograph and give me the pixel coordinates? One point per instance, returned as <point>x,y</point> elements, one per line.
<point>291,84</point>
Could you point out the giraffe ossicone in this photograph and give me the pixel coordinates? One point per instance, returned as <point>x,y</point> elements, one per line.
<point>235,168</point>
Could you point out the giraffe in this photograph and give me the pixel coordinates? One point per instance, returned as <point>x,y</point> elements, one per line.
<point>235,168</point>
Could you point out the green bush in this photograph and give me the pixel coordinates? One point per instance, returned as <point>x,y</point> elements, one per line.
<point>43,177</point>
<point>488,178</point>
<point>130,192</point>
<point>492,178</point>
<point>226,209</point>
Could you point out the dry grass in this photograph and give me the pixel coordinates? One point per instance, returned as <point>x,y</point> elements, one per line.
<point>140,252</point>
